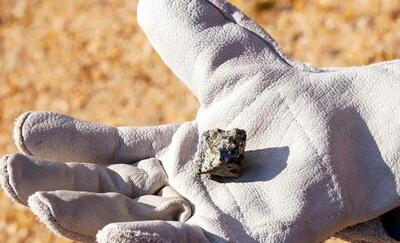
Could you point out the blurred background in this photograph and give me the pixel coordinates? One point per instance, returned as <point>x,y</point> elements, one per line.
<point>89,59</point>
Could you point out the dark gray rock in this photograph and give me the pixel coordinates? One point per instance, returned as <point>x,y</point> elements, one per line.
<point>221,152</point>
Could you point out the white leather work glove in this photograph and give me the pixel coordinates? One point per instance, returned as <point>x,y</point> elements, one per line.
<point>321,153</point>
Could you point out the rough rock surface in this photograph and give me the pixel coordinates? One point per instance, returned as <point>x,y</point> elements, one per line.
<point>221,152</point>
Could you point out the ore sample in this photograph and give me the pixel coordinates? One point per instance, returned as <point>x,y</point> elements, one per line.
<point>221,152</point>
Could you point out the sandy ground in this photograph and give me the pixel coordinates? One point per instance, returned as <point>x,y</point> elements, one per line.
<point>89,59</point>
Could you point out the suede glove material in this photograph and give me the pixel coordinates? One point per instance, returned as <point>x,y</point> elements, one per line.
<point>321,155</point>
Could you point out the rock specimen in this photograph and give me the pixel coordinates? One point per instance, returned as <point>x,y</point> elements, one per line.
<point>221,152</point>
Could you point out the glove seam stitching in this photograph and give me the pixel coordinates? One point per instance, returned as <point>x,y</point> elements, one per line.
<point>268,87</point>
<point>281,75</point>
<point>333,183</point>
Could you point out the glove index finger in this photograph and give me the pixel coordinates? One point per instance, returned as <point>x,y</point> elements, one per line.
<point>58,137</point>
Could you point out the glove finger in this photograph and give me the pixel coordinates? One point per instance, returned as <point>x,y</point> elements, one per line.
<point>59,137</point>
<point>209,43</point>
<point>21,176</point>
<point>80,215</point>
<point>151,231</point>
<point>366,232</point>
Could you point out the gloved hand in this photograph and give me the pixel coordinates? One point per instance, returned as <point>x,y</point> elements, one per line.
<point>321,151</point>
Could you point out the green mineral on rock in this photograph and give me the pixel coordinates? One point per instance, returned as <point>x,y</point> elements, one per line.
<point>221,152</point>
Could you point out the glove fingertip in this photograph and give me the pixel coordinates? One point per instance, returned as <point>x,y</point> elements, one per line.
<point>5,182</point>
<point>41,207</point>
<point>18,133</point>
<point>112,233</point>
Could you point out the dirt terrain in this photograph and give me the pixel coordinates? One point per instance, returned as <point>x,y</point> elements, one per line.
<point>89,59</point>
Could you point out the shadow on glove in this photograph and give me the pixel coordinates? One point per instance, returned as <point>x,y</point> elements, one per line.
<point>252,169</point>
<point>391,223</point>
<point>354,133</point>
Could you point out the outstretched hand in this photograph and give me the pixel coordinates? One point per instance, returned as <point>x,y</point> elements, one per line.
<point>321,152</point>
